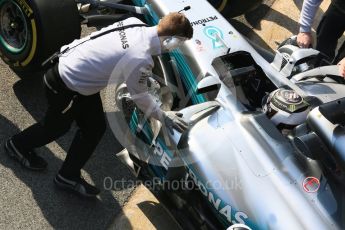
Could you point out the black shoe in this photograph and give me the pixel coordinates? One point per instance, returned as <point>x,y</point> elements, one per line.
<point>79,186</point>
<point>29,160</point>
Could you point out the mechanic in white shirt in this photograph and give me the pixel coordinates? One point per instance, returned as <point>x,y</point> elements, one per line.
<point>73,86</point>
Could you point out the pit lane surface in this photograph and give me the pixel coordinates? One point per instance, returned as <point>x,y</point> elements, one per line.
<point>29,200</point>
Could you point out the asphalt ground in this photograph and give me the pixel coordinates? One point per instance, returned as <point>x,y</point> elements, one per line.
<point>30,200</point>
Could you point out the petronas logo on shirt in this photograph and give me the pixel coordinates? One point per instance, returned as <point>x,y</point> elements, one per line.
<point>123,36</point>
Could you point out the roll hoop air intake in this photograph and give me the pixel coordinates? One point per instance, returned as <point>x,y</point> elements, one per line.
<point>328,121</point>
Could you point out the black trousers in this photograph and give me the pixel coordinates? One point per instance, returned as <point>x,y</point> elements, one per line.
<point>65,107</point>
<point>330,29</point>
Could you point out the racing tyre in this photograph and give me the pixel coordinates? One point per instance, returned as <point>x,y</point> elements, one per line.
<point>32,30</point>
<point>233,8</point>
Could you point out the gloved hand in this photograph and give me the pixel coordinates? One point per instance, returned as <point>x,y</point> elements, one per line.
<point>174,120</point>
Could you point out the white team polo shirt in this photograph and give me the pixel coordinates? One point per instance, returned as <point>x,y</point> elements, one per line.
<point>87,68</point>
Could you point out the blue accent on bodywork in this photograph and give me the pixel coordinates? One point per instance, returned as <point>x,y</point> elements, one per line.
<point>151,19</point>
<point>134,122</point>
<point>190,82</point>
<point>139,2</point>
<point>211,32</point>
<point>187,77</point>
<point>148,135</point>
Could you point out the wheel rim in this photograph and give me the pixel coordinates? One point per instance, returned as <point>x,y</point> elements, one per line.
<point>13,27</point>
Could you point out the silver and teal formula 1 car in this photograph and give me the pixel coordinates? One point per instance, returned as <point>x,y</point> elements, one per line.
<point>266,143</point>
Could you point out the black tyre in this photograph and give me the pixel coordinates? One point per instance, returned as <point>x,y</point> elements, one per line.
<point>31,30</point>
<point>233,8</point>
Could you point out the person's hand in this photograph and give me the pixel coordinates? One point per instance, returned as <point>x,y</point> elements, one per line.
<point>304,39</point>
<point>174,120</point>
<point>341,65</point>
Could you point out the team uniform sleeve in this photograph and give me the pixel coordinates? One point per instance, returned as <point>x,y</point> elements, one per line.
<point>308,12</point>
<point>137,87</point>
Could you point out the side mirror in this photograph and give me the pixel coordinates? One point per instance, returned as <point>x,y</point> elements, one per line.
<point>208,84</point>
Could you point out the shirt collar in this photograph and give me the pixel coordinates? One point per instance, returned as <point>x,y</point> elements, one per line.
<point>154,41</point>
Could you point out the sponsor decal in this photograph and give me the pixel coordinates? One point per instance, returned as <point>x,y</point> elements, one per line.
<point>165,159</point>
<point>25,7</point>
<point>233,35</point>
<point>145,73</point>
<point>123,36</point>
<point>224,209</point>
<point>199,46</point>
<point>215,34</point>
<point>204,21</point>
<point>311,184</point>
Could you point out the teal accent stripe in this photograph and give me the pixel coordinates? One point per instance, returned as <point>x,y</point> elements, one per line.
<point>138,2</point>
<point>133,122</point>
<point>190,82</point>
<point>148,132</point>
<point>148,137</point>
<point>154,19</point>
<point>151,19</point>
<point>188,77</point>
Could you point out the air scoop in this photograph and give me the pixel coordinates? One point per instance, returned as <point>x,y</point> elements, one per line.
<point>327,121</point>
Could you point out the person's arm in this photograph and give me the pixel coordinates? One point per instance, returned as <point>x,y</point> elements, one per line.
<point>308,13</point>
<point>309,9</point>
<point>341,65</point>
<point>137,87</point>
